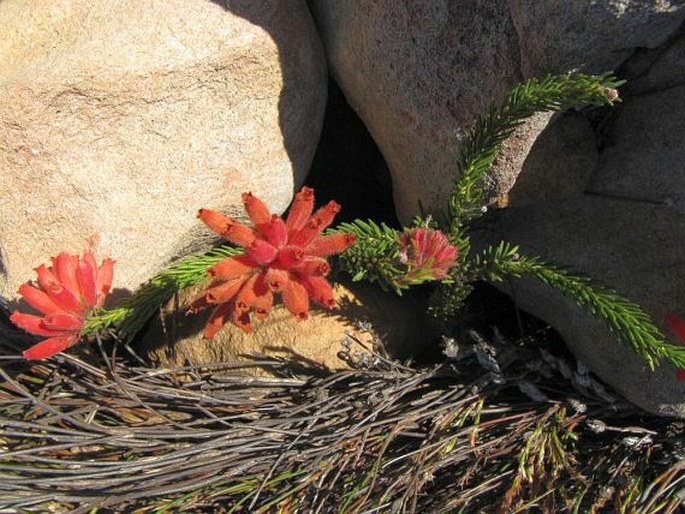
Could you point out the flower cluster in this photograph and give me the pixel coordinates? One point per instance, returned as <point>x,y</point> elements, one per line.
<point>427,255</point>
<point>67,291</point>
<point>286,257</point>
<point>677,326</point>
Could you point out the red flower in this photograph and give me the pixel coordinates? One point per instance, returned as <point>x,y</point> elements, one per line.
<point>427,254</point>
<point>677,326</point>
<point>67,291</point>
<point>286,257</point>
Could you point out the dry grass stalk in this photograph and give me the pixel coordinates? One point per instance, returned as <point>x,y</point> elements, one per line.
<point>383,438</point>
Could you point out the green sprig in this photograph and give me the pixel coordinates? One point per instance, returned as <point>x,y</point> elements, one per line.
<point>626,319</point>
<point>478,151</point>
<point>374,256</point>
<point>136,311</point>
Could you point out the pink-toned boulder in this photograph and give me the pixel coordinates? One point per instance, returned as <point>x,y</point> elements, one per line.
<point>118,120</point>
<point>419,72</point>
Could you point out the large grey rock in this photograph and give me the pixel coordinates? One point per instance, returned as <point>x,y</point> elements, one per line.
<point>419,72</point>
<point>528,169</point>
<point>628,232</point>
<point>593,34</point>
<point>118,120</point>
<point>656,69</point>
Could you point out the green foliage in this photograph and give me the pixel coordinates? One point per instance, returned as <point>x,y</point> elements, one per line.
<point>625,318</point>
<point>478,151</point>
<point>447,300</point>
<point>375,255</point>
<point>546,454</point>
<point>135,312</point>
<point>553,93</point>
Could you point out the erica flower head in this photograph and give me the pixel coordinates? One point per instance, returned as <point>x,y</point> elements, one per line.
<point>427,255</point>
<point>281,257</point>
<point>64,295</point>
<point>677,326</point>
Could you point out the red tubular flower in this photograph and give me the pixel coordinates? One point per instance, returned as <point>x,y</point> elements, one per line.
<point>427,254</point>
<point>281,257</point>
<point>67,291</point>
<point>677,326</point>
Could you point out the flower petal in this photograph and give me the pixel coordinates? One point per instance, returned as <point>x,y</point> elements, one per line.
<point>247,295</point>
<point>198,305</point>
<point>241,319</point>
<point>300,210</point>
<point>64,266</point>
<point>38,299</point>
<point>316,224</point>
<point>63,322</point>
<point>680,374</point>
<point>255,296</point>
<point>215,220</point>
<point>232,267</point>
<point>218,319</point>
<point>427,253</point>
<point>275,232</point>
<point>262,304</point>
<point>261,252</point>
<point>256,209</point>
<point>329,245</point>
<point>224,291</point>
<point>315,266</point>
<point>85,275</point>
<point>33,324</point>
<point>295,299</point>
<point>290,256</point>
<point>49,347</point>
<point>46,278</point>
<point>447,253</point>
<point>239,234</point>
<point>90,259</point>
<point>275,279</point>
<point>324,216</point>
<point>49,283</point>
<point>62,297</point>
<point>103,281</point>
<point>260,286</point>
<point>319,290</point>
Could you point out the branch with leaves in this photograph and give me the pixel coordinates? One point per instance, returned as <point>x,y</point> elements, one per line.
<point>625,318</point>
<point>375,255</point>
<point>375,251</point>
<point>484,140</point>
<point>133,313</point>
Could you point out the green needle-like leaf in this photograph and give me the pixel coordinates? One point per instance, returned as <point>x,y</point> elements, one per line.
<point>373,257</point>
<point>552,93</point>
<point>626,319</point>
<point>135,312</point>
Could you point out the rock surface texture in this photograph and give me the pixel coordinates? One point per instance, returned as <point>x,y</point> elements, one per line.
<point>418,72</point>
<point>119,120</point>
<point>364,312</point>
<point>627,229</point>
